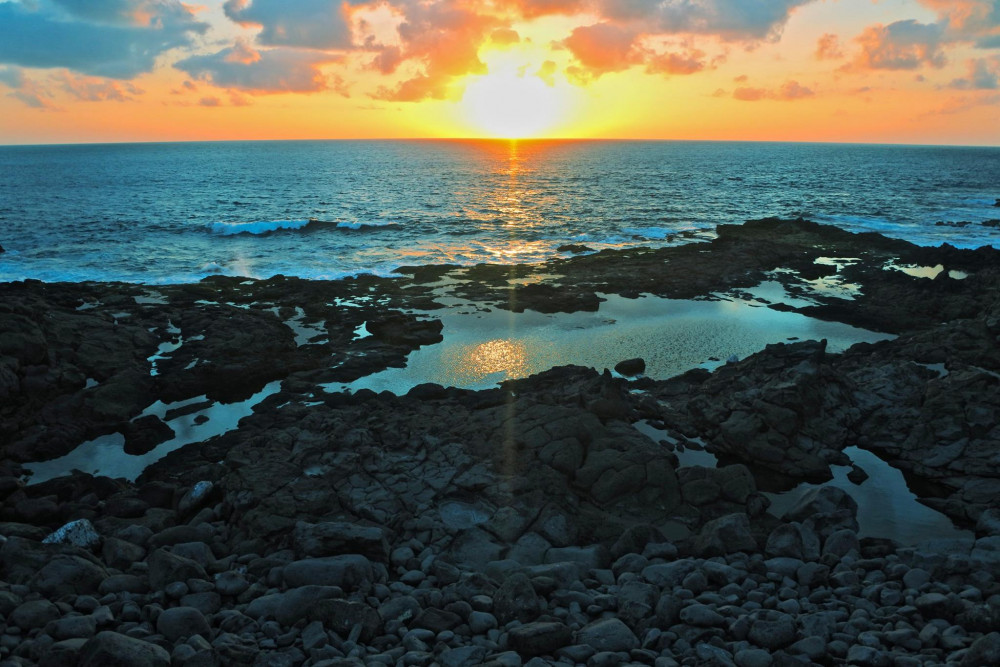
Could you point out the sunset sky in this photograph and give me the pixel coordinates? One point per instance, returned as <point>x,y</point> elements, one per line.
<point>894,71</point>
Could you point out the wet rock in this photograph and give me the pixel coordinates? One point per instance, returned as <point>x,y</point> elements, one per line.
<point>631,367</point>
<point>577,248</point>
<point>143,435</point>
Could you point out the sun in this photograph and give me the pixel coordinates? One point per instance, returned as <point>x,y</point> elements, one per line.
<point>510,106</point>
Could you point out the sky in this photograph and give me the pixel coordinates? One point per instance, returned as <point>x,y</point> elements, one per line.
<point>886,71</point>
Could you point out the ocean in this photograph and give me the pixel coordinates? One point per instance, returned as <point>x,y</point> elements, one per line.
<point>178,212</point>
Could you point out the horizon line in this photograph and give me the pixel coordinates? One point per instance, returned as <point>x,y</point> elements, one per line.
<point>498,140</point>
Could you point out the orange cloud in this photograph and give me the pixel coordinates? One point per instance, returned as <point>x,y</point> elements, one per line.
<point>504,37</point>
<point>787,92</point>
<point>676,63</point>
<point>828,47</point>
<point>604,47</point>
<point>445,40</point>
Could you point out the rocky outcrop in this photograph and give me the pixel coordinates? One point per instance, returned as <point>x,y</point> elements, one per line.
<point>530,522</point>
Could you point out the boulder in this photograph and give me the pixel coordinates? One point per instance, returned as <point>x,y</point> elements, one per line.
<point>339,537</point>
<point>33,614</point>
<point>725,535</point>
<point>539,638</point>
<point>111,649</point>
<point>631,367</point>
<point>516,600</point>
<point>80,533</point>
<point>608,634</point>
<point>350,572</point>
<point>182,622</point>
<point>166,568</point>
<point>68,575</point>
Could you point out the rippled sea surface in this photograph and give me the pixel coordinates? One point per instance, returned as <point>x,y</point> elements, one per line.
<point>160,213</point>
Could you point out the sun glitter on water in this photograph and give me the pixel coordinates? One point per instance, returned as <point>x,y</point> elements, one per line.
<point>509,106</point>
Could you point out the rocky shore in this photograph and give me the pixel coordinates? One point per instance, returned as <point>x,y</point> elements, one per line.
<point>530,524</point>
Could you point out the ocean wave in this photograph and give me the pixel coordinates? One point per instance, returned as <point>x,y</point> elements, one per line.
<point>257,228</point>
<point>263,227</point>
<point>357,226</point>
<point>659,233</point>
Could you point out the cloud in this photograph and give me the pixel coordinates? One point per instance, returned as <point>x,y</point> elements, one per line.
<point>536,8</point>
<point>983,74</point>
<point>676,63</point>
<point>277,70</point>
<point>961,104</point>
<point>209,102</point>
<point>604,47</point>
<point>311,24</point>
<point>976,21</point>
<point>118,39</point>
<point>443,39</point>
<point>793,90</point>
<point>12,77</point>
<point>547,72</point>
<point>90,89</point>
<point>828,47</point>
<point>787,92</point>
<point>504,37</point>
<point>730,20</point>
<point>901,45</point>
<point>746,94</point>
<point>26,90</point>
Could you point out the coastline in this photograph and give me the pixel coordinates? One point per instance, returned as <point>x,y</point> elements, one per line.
<point>410,521</point>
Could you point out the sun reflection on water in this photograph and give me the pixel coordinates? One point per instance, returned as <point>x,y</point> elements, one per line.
<point>504,358</point>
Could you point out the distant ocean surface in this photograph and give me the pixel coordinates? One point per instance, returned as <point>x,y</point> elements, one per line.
<point>162,213</point>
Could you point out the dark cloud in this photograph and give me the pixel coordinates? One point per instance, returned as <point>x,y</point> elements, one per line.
<point>12,77</point>
<point>900,45</point>
<point>118,39</point>
<point>983,74</point>
<point>278,70</point>
<point>976,21</point>
<point>311,24</point>
<point>730,20</point>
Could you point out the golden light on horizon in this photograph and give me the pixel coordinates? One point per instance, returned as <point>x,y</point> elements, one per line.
<point>508,106</point>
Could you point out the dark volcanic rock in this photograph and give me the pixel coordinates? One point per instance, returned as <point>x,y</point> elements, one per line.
<point>111,649</point>
<point>631,367</point>
<point>574,248</point>
<point>460,527</point>
<point>145,433</point>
